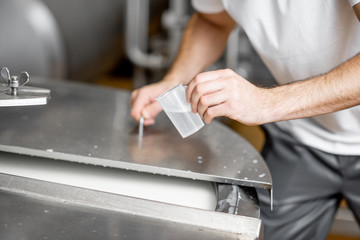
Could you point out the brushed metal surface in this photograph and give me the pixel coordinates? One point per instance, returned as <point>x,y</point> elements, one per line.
<point>91,124</point>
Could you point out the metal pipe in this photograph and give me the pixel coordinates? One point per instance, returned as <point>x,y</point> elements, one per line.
<point>174,20</point>
<point>137,23</point>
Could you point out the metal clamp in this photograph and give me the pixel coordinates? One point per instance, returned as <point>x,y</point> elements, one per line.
<point>12,95</point>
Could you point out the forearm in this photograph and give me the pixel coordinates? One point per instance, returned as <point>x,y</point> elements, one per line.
<point>337,90</point>
<point>357,10</point>
<point>203,42</point>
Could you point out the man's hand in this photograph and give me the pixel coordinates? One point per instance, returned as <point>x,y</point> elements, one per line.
<point>204,41</point>
<point>143,102</point>
<point>225,93</point>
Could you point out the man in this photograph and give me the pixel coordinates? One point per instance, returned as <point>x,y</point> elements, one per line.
<point>312,125</point>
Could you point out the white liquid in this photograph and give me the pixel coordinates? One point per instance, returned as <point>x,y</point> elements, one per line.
<point>179,191</point>
<point>186,122</point>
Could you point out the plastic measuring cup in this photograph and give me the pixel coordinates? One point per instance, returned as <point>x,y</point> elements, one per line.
<point>179,111</point>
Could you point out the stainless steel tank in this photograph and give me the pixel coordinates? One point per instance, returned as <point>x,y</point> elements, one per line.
<point>30,39</point>
<point>74,169</point>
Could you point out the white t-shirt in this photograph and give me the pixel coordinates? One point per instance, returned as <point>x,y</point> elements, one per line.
<point>298,40</point>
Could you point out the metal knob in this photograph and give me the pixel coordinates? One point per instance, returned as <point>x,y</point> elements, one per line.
<point>13,82</point>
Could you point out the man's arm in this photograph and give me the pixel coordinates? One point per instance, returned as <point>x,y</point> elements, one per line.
<point>203,42</point>
<point>224,93</point>
<point>357,10</point>
<point>337,90</point>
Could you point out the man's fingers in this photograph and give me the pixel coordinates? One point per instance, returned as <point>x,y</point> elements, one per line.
<point>137,105</point>
<point>213,112</point>
<point>150,112</point>
<point>148,122</point>
<point>202,90</point>
<point>210,100</point>
<point>133,97</point>
<point>198,79</point>
<point>203,77</point>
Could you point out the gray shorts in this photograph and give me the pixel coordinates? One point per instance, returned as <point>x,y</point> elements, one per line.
<point>308,186</point>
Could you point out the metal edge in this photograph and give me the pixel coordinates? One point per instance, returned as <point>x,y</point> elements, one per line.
<point>133,167</point>
<point>246,227</point>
